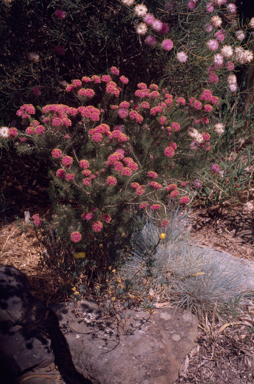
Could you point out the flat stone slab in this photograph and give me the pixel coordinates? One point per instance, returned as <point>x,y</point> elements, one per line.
<point>139,348</point>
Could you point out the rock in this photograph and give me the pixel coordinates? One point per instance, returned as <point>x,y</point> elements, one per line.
<point>30,338</point>
<point>139,348</point>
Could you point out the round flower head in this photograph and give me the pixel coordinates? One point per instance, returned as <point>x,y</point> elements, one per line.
<point>233,87</point>
<point>4,132</point>
<point>60,14</point>
<point>232,79</point>
<point>60,173</point>
<point>231,8</point>
<point>152,174</point>
<point>148,19</point>
<point>157,25</point>
<point>140,10</point>
<point>151,41</point>
<point>219,128</point>
<point>106,218</point>
<point>67,160</point>
<point>167,44</point>
<point>209,7</point>
<point>227,51</point>
<point>181,57</point>
<point>13,132</point>
<point>97,226</point>
<point>212,45</point>
<point>218,59</point>
<point>208,28</point>
<point>191,5</point>
<point>215,168</point>
<point>111,180</point>
<point>184,200</point>
<point>216,21</point>
<point>124,80</point>
<point>164,224</point>
<point>240,36</point>
<point>56,153</point>
<point>251,23</point>
<point>115,71</point>
<point>230,66</point>
<point>141,29</point>
<point>76,237</point>
<point>174,194</point>
<point>169,152</point>
<point>127,2</point>
<point>220,36</point>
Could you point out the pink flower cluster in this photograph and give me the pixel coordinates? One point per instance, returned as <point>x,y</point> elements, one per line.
<point>36,220</point>
<point>26,111</point>
<point>90,112</point>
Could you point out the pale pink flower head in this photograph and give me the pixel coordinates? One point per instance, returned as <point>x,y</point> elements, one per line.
<point>141,29</point>
<point>220,36</point>
<point>230,66</point>
<point>209,7</point>
<point>182,57</point>
<point>97,226</point>
<point>215,168</point>
<point>216,21</point>
<point>151,41</point>
<point>208,27</point>
<point>227,51</point>
<point>212,45</point>
<point>218,59</point>
<point>140,10</point>
<point>60,14</point>
<point>233,87</point>
<point>240,36</point>
<point>191,5</point>
<point>76,237</point>
<point>167,44</point>
<point>231,8</point>
<point>197,183</point>
<point>148,19</point>
<point>157,25</point>
<point>251,23</point>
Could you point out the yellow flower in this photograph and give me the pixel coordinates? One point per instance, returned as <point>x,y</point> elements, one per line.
<point>118,280</point>
<point>162,236</point>
<point>113,298</point>
<point>76,293</point>
<point>100,245</point>
<point>114,271</point>
<point>74,289</point>
<point>79,255</point>
<point>123,234</point>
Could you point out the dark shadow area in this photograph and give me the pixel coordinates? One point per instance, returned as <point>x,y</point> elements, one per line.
<point>30,337</point>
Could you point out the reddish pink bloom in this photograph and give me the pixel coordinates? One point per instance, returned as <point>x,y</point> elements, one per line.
<point>133,166</point>
<point>176,126</point>
<point>126,171</point>
<point>69,176</point>
<point>140,190</point>
<point>123,113</point>
<point>145,105</point>
<point>106,217</point>
<point>60,173</point>
<point>86,79</point>
<point>215,100</point>
<point>36,91</point>
<point>180,100</point>
<point>97,137</point>
<point>22,139</point>
<point>96,79</point>
<point>155,185</point>
<point>164,223</point>
<point>87,216</point>
<point>167,44</point>
<point>184,183</point>
<point>124,80</point>
<point>86,172</point>
<point>67,160</point>
<point>205,120</point>
<point>106,78</point>
<point>118,166</point>
<point>174,194</point>
<point>155,206</point>
<point>184,200</point>
<point>124,104</point>
<point>152,174</point>
<point>95,117</point>
<point>163,120</point>
<point>208,108</point>
<point>115,71</point>
<point>206,136</point>
<point>36,219</point>
<point>60,14</point>
<point>135,185</point>
<point>215,168</point>
<point>84,164</point>
<point>143,205</point>
<point>164,30</point>
<point>154,95</point>
<point>171,187</point>
<point>97,226</point>
<point>213,78</point>
<point>76,237</point>
<point>151,41</point>
<point>56,153</point>
<point>87,181</point>
<point>69,88</point>
<point>197,105</point>
<point>169,152</point>
<point>206,95</point>
<point>111,180</point>
<point>13,132</point>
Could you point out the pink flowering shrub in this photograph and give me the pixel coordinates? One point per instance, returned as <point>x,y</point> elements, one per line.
<point>105,161</point>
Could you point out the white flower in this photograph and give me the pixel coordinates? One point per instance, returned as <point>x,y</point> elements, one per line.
<point>248,56</point>
<point>227,51</point>
<point>219,128</point>
<point>240,35</point>
<point>239,52</point>
<point>140,10</point>
<point>231,8</point>
<point>127,2</point>
<point>212,44</point>
<point>193,133</point>
<point>248,207</point>
<point>141,29</point>
<point>216,21</point>
<point>218,59</point>
<point>251,24</point>
<point>4,132</point>
<point>199,138</point>
<point>33,57</point>
<point>157,25</point>
<point>232,87</point>
<point>181,57</point>
<point>232,79</point>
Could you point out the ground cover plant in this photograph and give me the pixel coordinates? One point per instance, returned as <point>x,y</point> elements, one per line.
<point>131,129</point>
